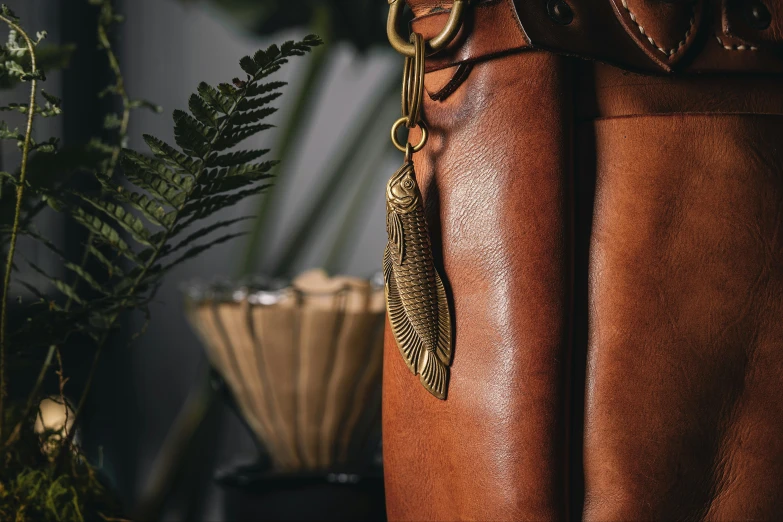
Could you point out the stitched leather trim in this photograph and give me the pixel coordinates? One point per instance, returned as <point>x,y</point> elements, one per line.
<point>667,52</point>
<point>660,13</point>
<point>736,47</point>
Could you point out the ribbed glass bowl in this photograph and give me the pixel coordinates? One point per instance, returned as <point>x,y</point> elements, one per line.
<point>302,361</point>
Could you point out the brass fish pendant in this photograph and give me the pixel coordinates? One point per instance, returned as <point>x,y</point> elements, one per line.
<point>415,298</point>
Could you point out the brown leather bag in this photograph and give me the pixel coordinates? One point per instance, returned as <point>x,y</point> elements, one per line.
<point>603,182</point>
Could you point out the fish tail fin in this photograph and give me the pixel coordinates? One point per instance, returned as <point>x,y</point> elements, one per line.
<point>433,374</point>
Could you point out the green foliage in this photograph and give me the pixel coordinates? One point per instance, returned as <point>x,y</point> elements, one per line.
<point>38,485</point>
<point>136,219</point>
<point>15,68</point>
<point>144,215</point>
<point>33,488</point>
<point>15,57</point>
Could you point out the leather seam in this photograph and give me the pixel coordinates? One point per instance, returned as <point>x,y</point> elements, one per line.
<point>463,70</point>
<point>684,113</point>
<point>740,47</point>
<point>670,52</point>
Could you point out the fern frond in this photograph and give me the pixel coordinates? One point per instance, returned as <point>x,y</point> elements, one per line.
<point>112,267</point>
<point>254,103</point>
<point>236,135</point>
<point>222,186</point>
<point>61,285</point>
<point>104,232</point>
<point>202,111</point>
<point>34,290</point>
<point>263,88</point>
<point>198,249</point>
<point>143,163</point>
<point>85,276</point>
<point>135,220</point>
<point>123,218</point>
<point>251,171</point>
<point>193,136</point>
<point>248,65</point>
<point>245,118</point>
<point>207,206</point>
<point>215,99</point>
<point>239,157</point>
<point>172,157</point>
<point>201,233</point>
<point>151,209</point>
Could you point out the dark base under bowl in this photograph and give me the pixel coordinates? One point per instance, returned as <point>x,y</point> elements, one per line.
<point>257,493</point>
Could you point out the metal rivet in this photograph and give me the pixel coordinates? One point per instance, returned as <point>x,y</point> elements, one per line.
<point>758,15</point>
<point>559,11</point>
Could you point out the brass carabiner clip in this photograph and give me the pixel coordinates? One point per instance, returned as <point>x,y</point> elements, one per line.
<point>443,38</point>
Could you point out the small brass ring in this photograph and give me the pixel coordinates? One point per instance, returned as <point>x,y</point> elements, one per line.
<point>406,76</point>
<point>413,83</point>
<point>402,148</point>
<point>440,41</point>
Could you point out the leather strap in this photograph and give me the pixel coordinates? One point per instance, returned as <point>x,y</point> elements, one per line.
<point>644,35</point>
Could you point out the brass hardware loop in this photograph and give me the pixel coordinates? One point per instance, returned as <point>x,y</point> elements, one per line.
<point>404,148</point>
<point>443,38</point>
<point>413,82</point>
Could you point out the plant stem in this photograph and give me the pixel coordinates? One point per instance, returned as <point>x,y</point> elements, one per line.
<point>17,431</point>
<point>17,214</point>
<point>122,135</point>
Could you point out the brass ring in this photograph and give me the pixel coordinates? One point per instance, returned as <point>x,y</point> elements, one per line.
<point>401,147</point>
<point>406,75</point>
<point>413,83</point>
<point>443,38</point>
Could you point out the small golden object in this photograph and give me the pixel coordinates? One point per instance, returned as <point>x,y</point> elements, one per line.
<point>416,299</point>
<point>400,146</point>
<point>413,82</point>
<point>53,423</point>
<point>443,38</point>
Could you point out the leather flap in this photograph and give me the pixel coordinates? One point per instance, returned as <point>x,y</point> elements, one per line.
<point>665,30</point>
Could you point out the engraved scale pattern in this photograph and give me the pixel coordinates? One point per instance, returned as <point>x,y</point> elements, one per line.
<point>416,300</point>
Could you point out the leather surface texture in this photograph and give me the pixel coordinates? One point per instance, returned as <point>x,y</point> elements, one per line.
<point>685,357</point>
<point>611,242</point>
<point>494,450</point>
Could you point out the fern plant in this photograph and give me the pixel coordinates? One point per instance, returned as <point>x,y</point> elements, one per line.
<point>144,213</point>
